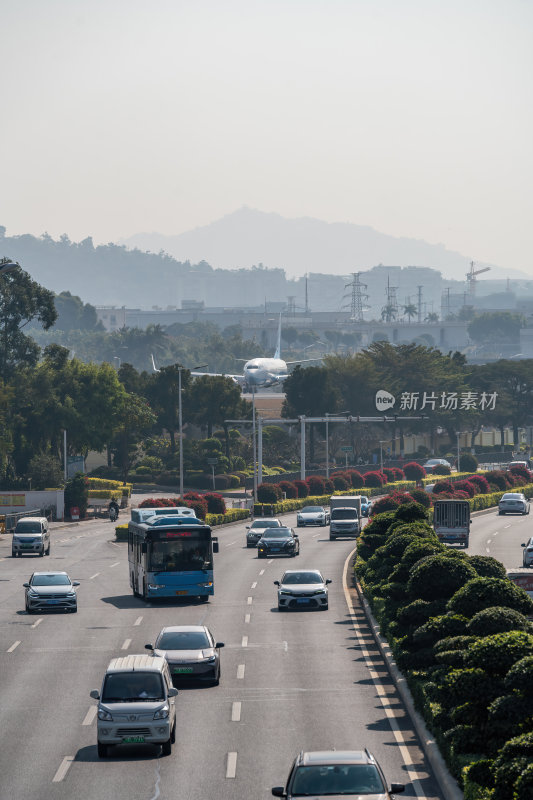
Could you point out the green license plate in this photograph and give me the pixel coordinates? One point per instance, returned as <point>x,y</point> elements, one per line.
<point>178,670</point>
<point>133,740</point>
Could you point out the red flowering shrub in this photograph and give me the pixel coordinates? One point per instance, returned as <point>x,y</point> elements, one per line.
<point>523,472</point>
<point>215,503</point>
<point>328,485</point>
<point>414,471</point>
<point>460,494</point>
<point>316,485</point>
<point>481,482</point>
<point>441,469</point>
<point>443,486</point>
<point>498,478</point>
<point>399,474</point>
<point>374,479</point>
<point>302,488</point>
<point>152,502</point>
<point>389,474</point>
<point>356,478</point>
<point>291,492</point>
<point>340,483</point>
<point>199,507</point>
<point>465,486</point>
<point>268,493</point>
<point>388,503</point>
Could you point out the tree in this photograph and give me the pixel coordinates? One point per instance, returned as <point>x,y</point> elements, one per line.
<point>410,310</point>
<point>308,391</point>
<point>498,326</point>
<point>163,392</point>
<point>289,335</point>
<point>389,313</point>
<point>431,317</point>
<point>134,419</point>
<point>22,301</point>
<point>73,314</point>
<point>212,400</point>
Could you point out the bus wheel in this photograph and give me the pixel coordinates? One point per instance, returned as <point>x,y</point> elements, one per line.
<point>204,598</point>
<point>144,595</point>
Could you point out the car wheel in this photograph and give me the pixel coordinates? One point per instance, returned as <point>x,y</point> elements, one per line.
<point>48,551</point>
<point>282,608</point>
<point>166,747</point>
<point>102,750</point>
<point>261,555</point>
<point>332,538</point>
<point>41,554</point>
<point>324,608</point>
<point>173,734</point>
<point>74,610</point>
<point>204,598</point>
<point>248,544</point>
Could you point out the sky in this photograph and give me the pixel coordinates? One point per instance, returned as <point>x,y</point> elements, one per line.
<point>413,117</point>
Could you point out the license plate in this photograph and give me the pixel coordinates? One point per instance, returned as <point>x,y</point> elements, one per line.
<point>133,740</point>
<point>54,602</point>
<point>304,600</point>
<point>27,545</point>
<point>275,549</point>
<point>181,670</point>
<point>182,591</point>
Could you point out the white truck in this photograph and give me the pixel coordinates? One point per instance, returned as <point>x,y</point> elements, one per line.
<point>451,521</point>
<point>345,515</point>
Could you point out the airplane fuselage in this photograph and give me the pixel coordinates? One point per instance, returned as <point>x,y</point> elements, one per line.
<point>264,372</point>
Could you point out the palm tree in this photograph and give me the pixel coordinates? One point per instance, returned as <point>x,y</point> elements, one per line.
<point>388,314</point>
<point>410,310</point>
<point>432,317</point>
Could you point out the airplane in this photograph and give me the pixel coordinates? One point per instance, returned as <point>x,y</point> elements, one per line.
<point>259,373</point>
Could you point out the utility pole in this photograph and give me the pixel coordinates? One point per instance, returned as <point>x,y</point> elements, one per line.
<point>419,303</point>
<point>357,297</point>
<point>306,296</point>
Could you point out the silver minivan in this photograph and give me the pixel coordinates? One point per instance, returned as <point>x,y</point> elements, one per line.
<point>31,536</point>
<point>136,704</point>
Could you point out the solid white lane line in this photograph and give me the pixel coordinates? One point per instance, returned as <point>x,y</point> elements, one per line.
<point>114,565</point>
<point>63,769</point>
<point>126,644</point>
<point>244,642</point>
<point>138,621</point>
<point>96,574</point>
<point>262,572</point>
<point>231,767</point>
<point>13,647</point>
<point>250,600</point>
<point>89,716</point>
<point>401,737</point>
<point>254,584</point>
<point>37,622</point>
<point>246,618</point>
<point>240,671</point>
<point>236,712</point>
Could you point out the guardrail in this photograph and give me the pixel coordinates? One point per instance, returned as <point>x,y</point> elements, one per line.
<point>9,521</point>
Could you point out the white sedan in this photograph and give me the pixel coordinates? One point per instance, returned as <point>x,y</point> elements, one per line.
<point>312,515</point>
<point>513,503</point>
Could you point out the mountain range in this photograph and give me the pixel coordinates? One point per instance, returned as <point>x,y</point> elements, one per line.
<point>248,237</point>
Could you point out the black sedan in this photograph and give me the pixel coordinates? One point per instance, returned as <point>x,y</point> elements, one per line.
<point>278,542</point>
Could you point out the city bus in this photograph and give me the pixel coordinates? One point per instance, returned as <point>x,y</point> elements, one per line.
<point>171,556</point>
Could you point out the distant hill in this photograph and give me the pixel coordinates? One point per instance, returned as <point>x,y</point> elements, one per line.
<point>248,236</point>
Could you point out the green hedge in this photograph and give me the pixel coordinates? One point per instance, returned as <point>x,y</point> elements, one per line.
<point>103,483</point>
<point>121,533</point>
<point>232,515</point>
<point>105,494</point>
<point>455,476</point>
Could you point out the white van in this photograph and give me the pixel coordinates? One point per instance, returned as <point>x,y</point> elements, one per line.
<point>31,535</point>
<point>136,704</point>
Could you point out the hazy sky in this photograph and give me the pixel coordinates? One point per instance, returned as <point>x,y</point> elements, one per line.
<point>410,116</point>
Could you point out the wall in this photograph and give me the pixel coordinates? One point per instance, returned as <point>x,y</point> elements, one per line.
<point>15,502</point>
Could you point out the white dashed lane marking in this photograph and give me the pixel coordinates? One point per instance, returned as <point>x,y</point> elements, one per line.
<point>249,601</point>
<point>126,644</point>
<point>487,549</point>
<point>240,671</point>
<point>13,647</point>
<point>138,621</point>
<point>114,565</point>
<point>244,642</point>
<point>231,767</point>
<point>254,584</point>
<point>246,618</point>
<point>89,716</point>
<point>271,561</point>
<point>96,574</point>
<point>63,769</point>
<point>37,622</point>
<point>262,572</point>
<point>236,712</point>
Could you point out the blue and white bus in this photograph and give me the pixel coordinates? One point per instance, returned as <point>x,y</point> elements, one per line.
<point>171,556</point>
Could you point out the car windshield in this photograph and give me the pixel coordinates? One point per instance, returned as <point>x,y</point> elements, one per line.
<point>302,577</point>
<point>28,527</point>
<point>364,499</point>
<point>183,640</point>
<point>278,533</point>
<point>180,555</point>
<point>344,513</point>
<point>266,523</point>
<point>124,687</point>
<point>336,779</point>
<point>512,496</point>
<point>312,510</point>
<point>50,580</point>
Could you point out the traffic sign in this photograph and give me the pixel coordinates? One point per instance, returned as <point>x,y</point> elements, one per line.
<point>212,461</point>
<point>347,448</point>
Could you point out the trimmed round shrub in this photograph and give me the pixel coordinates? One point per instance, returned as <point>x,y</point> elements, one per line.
<point>496,654</point>
<point>419,612</point>
<point>439,577</point>
<point>511,762</point>
<point>441,469</point>
<point>420,548</point>
<point>152,502</point>
<point>222,481</point>
<point>469,463</point>
<point>340,483</point>
<point>488,567</point>
<point>414,471</point>
<point>291,492</point>
<point>461,685</point>
<point>521,471</point>
<point>420,496</point>
<point>465,739</point>
<point>480,772</point>
<point>328,485</point>
<point>520,677</point>
<point>498,478</point>
<point>302,488</point>
<point>215,503</point>
<point>316,485</point>
<point>398,473</point>
<point>356,479</point>
<point>466,486</point>
<point>443,486</point>
<point>460,494</point>
<point>482,593</point>
<point>481,482</point>
<point>497,619</point>
<point>268,493</point>
<point>387,503</point>
<point>524,784</point>
<point>438,628</point>
<point>374,479</point>
<point>199,507</point>
<point>411,512</point>
<point>389,474</point>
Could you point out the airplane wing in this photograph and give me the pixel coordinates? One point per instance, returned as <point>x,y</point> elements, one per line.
<point>303,361</point>
<point>237,378</point>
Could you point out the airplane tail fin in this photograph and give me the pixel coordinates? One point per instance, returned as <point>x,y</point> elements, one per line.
<point>277,354</point>
<point>153,364</point>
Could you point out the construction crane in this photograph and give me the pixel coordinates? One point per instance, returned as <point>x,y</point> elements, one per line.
<point>471,277</point>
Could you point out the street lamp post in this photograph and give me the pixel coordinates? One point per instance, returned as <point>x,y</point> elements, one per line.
<point>458,434</point>
<point>180,422</point>
<point>254,444</point>
<point>381,443</point>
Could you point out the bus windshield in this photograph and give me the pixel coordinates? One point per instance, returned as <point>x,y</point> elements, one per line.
<point>180,555</point>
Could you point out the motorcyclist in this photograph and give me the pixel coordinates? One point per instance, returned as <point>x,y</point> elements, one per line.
<point>113,509</point>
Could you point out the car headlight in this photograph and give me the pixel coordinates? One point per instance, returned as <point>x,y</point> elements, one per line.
<point>282,591</point>
<point>211,659</point>
<point>320,591</point>
<point>104,715</point>
<point>71,594</point>
<point>33,593</point>
<point>162,713</point>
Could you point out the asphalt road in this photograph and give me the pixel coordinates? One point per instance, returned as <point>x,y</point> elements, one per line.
<point>299,680</point>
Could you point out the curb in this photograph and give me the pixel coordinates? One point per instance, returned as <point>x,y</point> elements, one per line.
<point>445,779</point>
